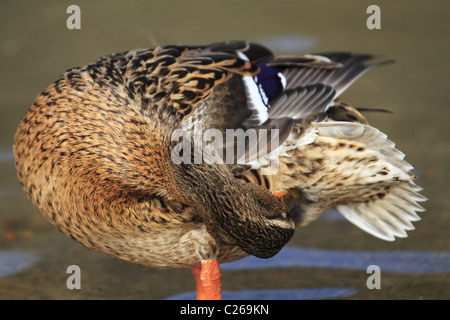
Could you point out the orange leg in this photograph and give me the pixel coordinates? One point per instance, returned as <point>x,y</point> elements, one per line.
<point>207,278</point>
<point>198,283</point>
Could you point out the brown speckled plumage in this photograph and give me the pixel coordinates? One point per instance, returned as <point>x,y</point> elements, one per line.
<point>93,154</point>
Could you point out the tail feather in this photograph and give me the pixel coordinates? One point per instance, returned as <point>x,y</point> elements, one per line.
<point>389,217</point>
<point>392,214</point>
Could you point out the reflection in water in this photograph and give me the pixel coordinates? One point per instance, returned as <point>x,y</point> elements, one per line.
<point>390,261</point>
<point>274,294</point>
<point>14,261</point>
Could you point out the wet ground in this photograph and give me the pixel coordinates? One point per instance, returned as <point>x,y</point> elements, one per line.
<point>327,259</point>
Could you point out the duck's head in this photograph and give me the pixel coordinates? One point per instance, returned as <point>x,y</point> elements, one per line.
<point>267,227</point>
<point>234,212</point>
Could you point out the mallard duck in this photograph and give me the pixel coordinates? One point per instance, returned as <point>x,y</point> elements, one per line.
<point>96,154</point>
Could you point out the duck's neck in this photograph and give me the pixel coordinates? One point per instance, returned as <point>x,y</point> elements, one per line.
<point>234,212</point>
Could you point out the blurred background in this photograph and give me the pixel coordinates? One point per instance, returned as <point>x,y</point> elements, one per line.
<point>327,259</point>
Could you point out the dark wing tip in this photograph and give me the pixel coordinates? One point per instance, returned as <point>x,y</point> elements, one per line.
<point>255,52</point>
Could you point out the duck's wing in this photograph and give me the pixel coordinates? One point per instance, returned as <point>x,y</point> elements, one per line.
<point>177,78</point>
<point>239,85</point>
<point>335,69</point>
<point>242,84</point>
<point>293,92</point>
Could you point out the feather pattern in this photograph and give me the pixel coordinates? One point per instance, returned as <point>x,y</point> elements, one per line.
<point>342,70</point>
<point>390,217</point>
<point>391,212</point>
<point>290,97</point>
<point>177,78</point>
<point>313,99</point>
